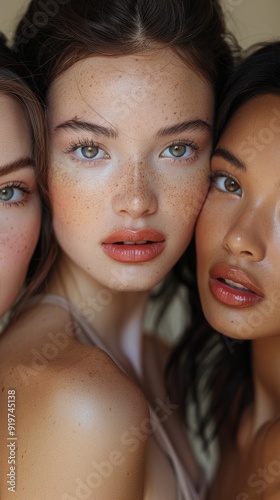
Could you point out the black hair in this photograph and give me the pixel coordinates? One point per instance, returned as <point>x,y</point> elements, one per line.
<point>207,368</point>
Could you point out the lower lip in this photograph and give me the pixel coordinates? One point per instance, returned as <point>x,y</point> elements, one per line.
<point>231,296</point>
<point>131,254</point>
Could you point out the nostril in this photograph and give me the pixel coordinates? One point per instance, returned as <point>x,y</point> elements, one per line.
<point>246,252</point>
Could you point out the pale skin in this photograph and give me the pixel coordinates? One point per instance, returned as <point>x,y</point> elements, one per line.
<point>20,212</point>
<point>239,227</point>
<point>132,153</point>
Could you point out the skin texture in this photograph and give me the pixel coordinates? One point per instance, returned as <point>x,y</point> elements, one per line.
<point>136,183</point>
<point>20,213</point>
<point>239,226</point>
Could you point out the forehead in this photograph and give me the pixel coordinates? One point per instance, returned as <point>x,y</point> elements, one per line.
<point>255,119</point>
<point>157,82</point>
<point>14,131</point>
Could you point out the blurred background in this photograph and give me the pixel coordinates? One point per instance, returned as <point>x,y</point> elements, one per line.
<point>250,20</point>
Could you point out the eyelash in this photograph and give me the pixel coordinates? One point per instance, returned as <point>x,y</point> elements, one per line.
<point>189,144</point>
<point>86,143</point>
<point>74,146</point>
<point>80,144</point>
<point>213,176</point>
<point>15,185</point>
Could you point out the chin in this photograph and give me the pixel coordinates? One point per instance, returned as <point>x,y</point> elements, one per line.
<point>130,287</point>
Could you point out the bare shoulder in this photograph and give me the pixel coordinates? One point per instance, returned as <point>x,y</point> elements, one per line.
<point>75,415</point>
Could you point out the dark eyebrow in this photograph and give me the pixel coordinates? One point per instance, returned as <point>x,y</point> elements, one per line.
<point>183,126</point>
<point>230,157</point>
<point>88,127</point>
<point>15,165</point>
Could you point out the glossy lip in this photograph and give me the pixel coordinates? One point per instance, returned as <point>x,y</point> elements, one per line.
<point>113,247</point>
<point>228,295</point>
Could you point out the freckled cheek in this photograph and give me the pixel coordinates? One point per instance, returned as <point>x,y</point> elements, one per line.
<point>188,196</point>
<point>18,242</point>
<point>74,200</point>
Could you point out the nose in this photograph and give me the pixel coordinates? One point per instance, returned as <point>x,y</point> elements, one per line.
<point>246,237</point>
<point>135,193</point>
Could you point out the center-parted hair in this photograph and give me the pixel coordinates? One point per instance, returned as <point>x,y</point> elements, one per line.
<point>50,39</point>
<point>55,34</point>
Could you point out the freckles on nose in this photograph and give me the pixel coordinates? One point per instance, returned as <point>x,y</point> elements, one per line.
<point>136,176</point>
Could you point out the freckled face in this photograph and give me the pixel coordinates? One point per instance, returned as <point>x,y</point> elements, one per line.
<point>238,231</point>
<point>20,211</point>
<point>131,143</point>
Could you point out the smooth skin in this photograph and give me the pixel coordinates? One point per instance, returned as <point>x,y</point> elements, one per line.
<point>20,212</point>
<point>239,227</point>
<point>132,153</point>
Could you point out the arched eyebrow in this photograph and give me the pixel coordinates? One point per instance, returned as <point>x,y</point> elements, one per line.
<point>87,127</point>
<point>177,128</point>
<point>8,168</point>
<point>193,125</point>
<point>230,158</point>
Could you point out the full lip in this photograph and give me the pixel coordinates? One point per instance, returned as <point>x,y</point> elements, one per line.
<point>134,236</point>
<point>134,245</point>
<point>227,293</point>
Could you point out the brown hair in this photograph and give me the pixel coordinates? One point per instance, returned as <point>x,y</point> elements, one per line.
<point>51,38</point>
<point>13,76</point>
<point>55,34</point>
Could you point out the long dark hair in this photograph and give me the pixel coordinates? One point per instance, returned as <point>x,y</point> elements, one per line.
<point>49,40</point>
<point>13,83</point>
<point>52,38</point>
<point>208,369</point>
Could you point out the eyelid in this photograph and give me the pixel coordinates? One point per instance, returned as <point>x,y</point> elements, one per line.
<point>215,175</point>
<point>16,185</point>
<point>83,143</point>
<point>72,151</point>
<point>187,143</point>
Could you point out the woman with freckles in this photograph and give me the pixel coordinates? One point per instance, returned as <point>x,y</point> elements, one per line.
<point>23,243</point>
<point>130,90</point>
<point>237,244</point>
<point>22,159</point>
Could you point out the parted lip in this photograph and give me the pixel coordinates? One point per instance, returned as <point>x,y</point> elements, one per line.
<point>240,277</point>
<point>134,236</point>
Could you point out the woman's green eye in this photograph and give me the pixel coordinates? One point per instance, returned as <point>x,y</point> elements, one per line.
<point>89,152</point>
<point>6,194</point>
<point>178,151</point>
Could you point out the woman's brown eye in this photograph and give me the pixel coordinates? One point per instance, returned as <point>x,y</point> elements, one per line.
<point>231,185</point>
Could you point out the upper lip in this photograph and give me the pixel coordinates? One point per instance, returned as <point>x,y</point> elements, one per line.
<point>237,275</point>
<point>134,235</point>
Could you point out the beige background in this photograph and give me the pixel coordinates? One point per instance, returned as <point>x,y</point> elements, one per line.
<point>251,20</point>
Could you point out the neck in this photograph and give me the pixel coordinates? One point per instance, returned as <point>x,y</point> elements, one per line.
<point>266,376</point>
<point>116,316</point>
